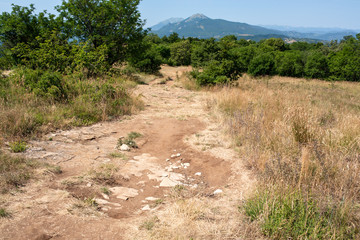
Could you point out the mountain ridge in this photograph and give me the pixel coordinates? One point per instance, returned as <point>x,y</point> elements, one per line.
<point>201,26</point>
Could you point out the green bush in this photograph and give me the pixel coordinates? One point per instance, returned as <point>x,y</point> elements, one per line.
<point>148,61</point>
<point>344,64</point>
<point>18,147</point>
<point>316,65</point>
<point>180,53</point>
<point>216,72</point>
<point>261,65</point>
<point>289,63</point>
<point>45,84</point>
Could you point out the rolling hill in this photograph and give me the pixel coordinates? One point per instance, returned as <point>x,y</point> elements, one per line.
<point>201,26</point>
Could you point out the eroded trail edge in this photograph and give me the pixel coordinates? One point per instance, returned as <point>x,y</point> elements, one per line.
<point>103,193</point>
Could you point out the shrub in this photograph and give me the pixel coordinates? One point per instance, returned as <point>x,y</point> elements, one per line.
<point>261,65</point>
<point>289,64</point>
<point>18,147</point>
<point>180,53</point>
<point>316,66</point>
<point>216,72</point>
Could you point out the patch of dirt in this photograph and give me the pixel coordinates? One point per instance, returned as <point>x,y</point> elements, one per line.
<point>181,147</point>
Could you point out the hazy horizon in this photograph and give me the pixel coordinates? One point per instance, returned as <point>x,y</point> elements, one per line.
<point>310,14</point>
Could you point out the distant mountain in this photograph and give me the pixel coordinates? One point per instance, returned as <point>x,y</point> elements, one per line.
<point>201,26</point>
<point>166,22</point>
<point>327,34</point>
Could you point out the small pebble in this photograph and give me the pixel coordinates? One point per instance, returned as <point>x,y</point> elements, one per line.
<point>218,191</point>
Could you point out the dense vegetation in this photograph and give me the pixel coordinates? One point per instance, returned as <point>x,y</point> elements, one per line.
<point>225,60</point>
<point>63,66</point>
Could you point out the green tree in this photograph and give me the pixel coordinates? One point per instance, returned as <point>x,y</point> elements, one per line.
<point>289,63</point>
<point>217,72</point>
<point>261,65</point>
<point>115,23</point>
<point>23,26</point>
<point>316,65</point>
<point>344,64</point>
<point>204,51</point>
<point>242,56</point>
<point>180,53</point>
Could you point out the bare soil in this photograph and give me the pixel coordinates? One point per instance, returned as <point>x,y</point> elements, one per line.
<point>104,193</point>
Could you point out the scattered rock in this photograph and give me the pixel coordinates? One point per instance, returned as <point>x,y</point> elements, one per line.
<point>218,191</point>
<point>101,201</point>
<point>151,199</point>
<point>168,160</point>
<point>124,147</point>
<point>186,164</point>
<point>36,149</point>
<point>89,184</point>
<point>124,193</point>
<point>198,174</point>
<point>194,186</point>
<point>146,208</point>
<point>105,196</point>
<point>167,182</point>
<point>178,155</point>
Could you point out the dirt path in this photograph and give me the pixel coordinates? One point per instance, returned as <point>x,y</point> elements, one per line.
<point>104,193</point>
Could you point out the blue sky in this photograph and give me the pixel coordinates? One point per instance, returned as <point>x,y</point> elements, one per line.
<point>307,13</point>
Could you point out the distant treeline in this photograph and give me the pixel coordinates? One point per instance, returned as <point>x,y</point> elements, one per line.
<point>92,36</point>
<point>226,59</point>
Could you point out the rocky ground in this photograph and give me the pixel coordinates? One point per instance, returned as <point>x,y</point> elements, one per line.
<point>106,193</point>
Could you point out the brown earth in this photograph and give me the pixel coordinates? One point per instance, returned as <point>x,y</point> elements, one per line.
<point>104,193</point>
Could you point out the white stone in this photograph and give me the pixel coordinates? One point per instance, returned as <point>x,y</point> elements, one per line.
<point>101,201</point>
<point>198,174</point>
<point>187,164</point>
<point>218,191</point>
<point>168,160</point>
<point>146,208</point>
<point>124,193</point>
<point>178,155</point>
<point>151,199</point>
<point>167,182</point>
<point>173,156</point>
<point>89,184</point>
<point>124,147</point>
<point>105,196</point>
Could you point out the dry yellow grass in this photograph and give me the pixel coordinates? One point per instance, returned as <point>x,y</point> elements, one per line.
<point>299,133</point>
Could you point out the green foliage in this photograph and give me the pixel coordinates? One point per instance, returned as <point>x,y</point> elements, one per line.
<point>316,65</point>
<point>203,52</point>
<point>129,140</point>
<point>291,215</point>
<point>18,147</point>
<point>262,64</point>
<point>344,64</point>
<point>148,59</point>
<point>289,63</point>
<point>22,26</point>
<point>45,84</point>
<point>4,213</point>
<point>242,57</point>
<point>180,53</point>
<point>115,23</point>
<point>216,72</point>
